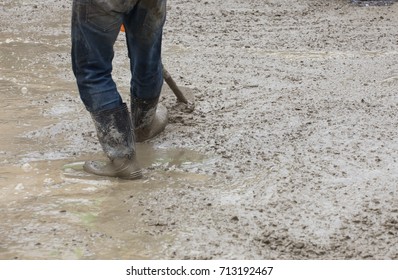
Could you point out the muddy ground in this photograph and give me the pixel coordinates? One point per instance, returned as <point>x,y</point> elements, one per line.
<point>291,151</point>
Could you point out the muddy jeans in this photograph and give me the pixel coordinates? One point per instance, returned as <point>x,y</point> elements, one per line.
<point>95,27</point>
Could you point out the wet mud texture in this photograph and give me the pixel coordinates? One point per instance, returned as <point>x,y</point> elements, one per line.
<point>291,151</point>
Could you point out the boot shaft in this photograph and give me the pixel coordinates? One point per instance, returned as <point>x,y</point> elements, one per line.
<point>115,132</point>
<point>143,111</point>
<point>149,118</point>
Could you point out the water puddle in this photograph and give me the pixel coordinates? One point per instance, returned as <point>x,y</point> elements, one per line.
<point>50,210</point>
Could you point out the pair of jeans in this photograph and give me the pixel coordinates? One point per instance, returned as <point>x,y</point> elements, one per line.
<point>95,27</point>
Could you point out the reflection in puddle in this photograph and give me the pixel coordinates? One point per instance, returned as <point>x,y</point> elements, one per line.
<point>150,159</point>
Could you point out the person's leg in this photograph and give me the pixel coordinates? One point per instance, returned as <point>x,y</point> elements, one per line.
<point>95,26</point>
<point>94,32</point>
<point>144,28</point>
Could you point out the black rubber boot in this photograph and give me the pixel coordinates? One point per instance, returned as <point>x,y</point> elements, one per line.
<point>114,130</point>
<point>149,117</point>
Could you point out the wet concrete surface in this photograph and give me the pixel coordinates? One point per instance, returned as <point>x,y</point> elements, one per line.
<point>290,153</point>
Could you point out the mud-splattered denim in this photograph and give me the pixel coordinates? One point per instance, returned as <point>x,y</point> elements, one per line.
<point>95,27</point>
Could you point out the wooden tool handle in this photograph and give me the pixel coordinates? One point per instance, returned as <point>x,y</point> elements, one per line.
<point>173,86</point>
